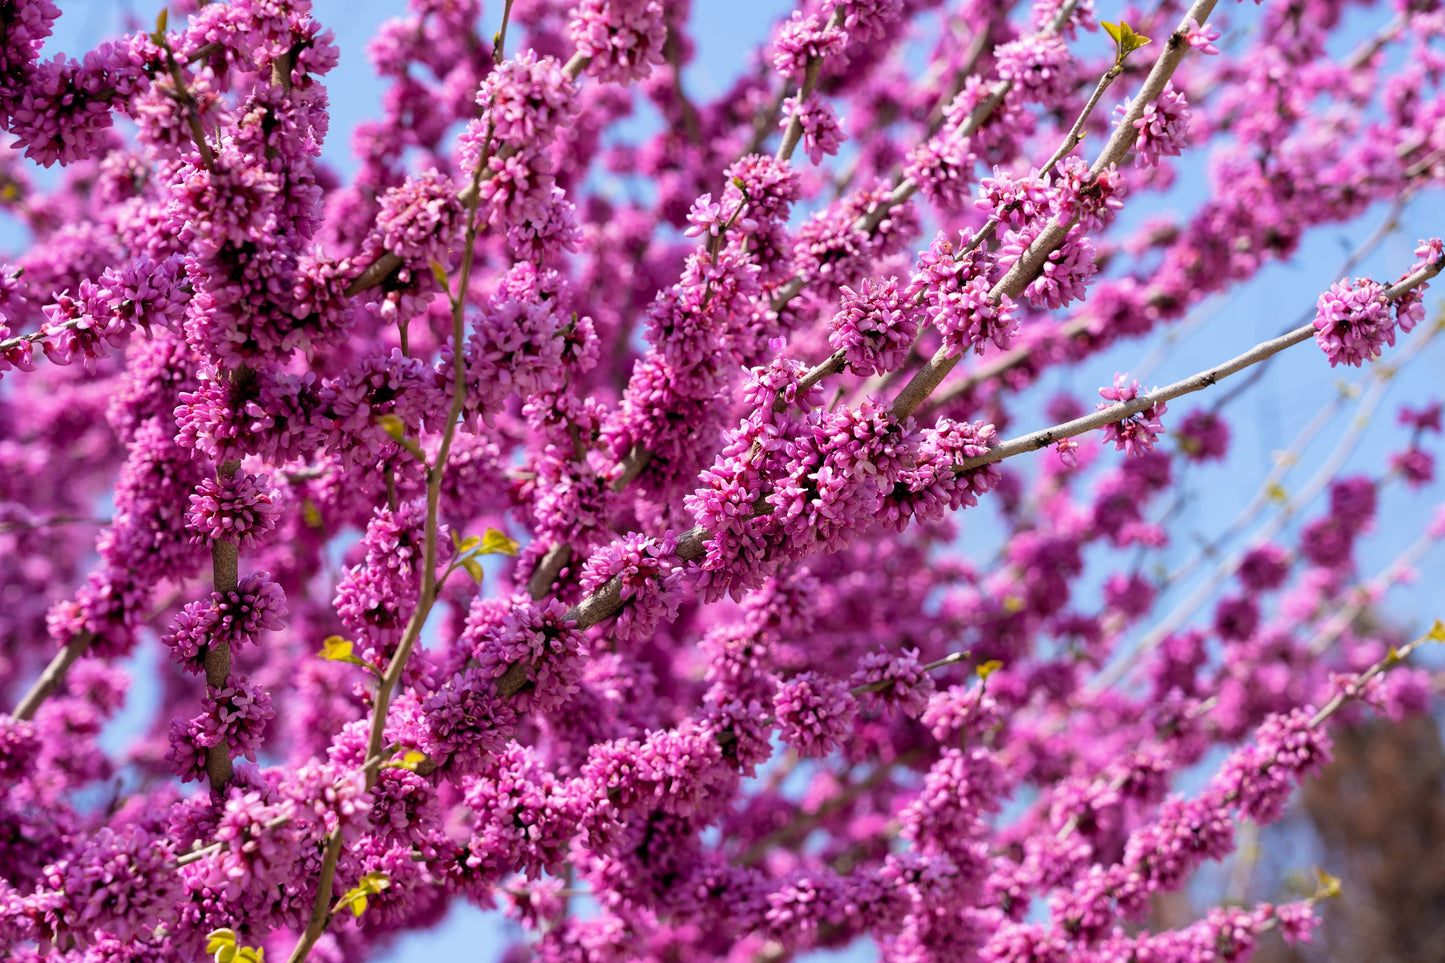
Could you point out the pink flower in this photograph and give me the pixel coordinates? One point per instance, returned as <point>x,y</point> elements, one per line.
<point>1353,322</point>
<point>1137,433</point>
<point>1201,38</point>
<point>821,126</point>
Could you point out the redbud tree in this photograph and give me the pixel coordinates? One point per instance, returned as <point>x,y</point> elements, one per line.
<point>576,521</point>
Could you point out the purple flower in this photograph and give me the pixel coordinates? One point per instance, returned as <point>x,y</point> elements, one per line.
<point>119,881</point>
<point>532,642</point>
<point>465,722</point>
<point>706,217</point>
<point>240,508</point>
<point>969,318</point>
<point>64,112</point>
<point>865,20</point>
<point>1426,418</point>
<point>942,167</point>
<point>237,714</point>
<point>1163,127</point>
<point>769,186</point>
<point>874,326</point>
<point>623,38</point>
<point>420,222</point>
<point>1326,543</point>
<point>1201,38</point>
<point>1133,595</point>
<point>897,680</point>
<point>1260,778</point>
<point>256,605</point>
<point>1236,618</point>
<point>1137,433</point>
<point>814,713</point>
<point>1415,465</point>
<point>1039,67</point>
<point>1263,568</point>
<point>1353,322</point>
<point>526,99</point>
<point>1297,921</point>
<point>1203,436</point>
<point>650,582</point>
<point>255,854</point>
<point>800,39</point>
<point>1066,271</point>
<point>1352,502</point>
<point>1014,200</point>
<point>821,126</point>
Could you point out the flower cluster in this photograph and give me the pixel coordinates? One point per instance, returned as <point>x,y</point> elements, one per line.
<point>623,38</point>
<point>801,39</point>
<point>1163,128</point>
<point>1137,433</point>
<point>874,327</point>
<point>1203,436</point>
<point>649,580</point>
<point>1353,322</point>
<point>822,128</point>
<point>236,618</point>
<point>239,507</point>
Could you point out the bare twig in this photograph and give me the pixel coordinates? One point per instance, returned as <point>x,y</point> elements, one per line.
<point>1197,382</point>
<point>321,909</point>
<point>53,675</point>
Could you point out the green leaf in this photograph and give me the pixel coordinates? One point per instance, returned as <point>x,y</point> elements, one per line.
<point>356,897</point>
<point>440,273</point>
<point>311,514</point>
<point>1437,632</point>
<point>337,649</point>
<point>222,945</point>
<point>474,569</point>
<point>393,426</point>
<point>163,20</point>
<point>409,761</point>
<point>1134,40</point>
<point>988,668</point>
<point>1126,41</point>
<point>465,545</point>
<point>496,543</point>
<point>218,940</point>
<point>1329,886</point>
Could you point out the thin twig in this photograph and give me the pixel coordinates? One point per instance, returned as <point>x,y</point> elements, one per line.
<point>53,675</point>
<point>321,909</point>
<point>606,601</point>
<point>1197,382</point>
